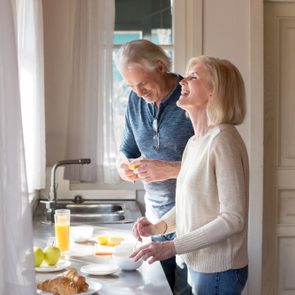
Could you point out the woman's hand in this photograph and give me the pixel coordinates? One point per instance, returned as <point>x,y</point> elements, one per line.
<point>144,228</point>
<point>155,252</point>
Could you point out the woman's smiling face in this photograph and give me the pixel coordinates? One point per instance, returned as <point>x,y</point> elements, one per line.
<point>195,88</point>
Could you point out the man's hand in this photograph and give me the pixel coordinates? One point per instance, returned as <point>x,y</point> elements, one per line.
<point>124,170</point>
<point>127,174</point>
<point>157,170</point>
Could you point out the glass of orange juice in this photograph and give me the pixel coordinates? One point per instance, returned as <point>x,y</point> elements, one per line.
<point>62,229</point>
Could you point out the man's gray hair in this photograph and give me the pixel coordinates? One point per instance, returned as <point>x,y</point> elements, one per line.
<point>144,53</point>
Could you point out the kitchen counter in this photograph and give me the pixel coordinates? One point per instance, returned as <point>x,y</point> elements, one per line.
<point>148,279</point>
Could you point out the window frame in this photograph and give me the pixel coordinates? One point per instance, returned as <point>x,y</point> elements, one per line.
<point>187,27</point>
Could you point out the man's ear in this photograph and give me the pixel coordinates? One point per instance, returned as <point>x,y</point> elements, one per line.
<point>161,68</point>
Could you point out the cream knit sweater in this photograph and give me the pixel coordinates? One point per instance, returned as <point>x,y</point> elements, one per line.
<point>211,212</point>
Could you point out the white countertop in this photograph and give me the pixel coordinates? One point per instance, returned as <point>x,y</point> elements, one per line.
<point>147,280</point>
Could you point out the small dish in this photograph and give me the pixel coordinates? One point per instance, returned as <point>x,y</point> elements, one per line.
<point>81,250</point>
<point>99,269</point>
<point>121,257</point>
<point>81,234</point>
<point>62,264</point>
<point>103,250</point>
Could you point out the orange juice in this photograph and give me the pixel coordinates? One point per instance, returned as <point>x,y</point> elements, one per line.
<point>62,235</point>
<point>62,229</point>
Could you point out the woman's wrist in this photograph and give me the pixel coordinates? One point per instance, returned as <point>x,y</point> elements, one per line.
<point>161,227</point>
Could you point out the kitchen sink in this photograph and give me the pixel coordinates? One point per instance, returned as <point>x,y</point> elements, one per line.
<point>93,211</point>
<point>103,209</point>
<point>97,211</point>
<point>97,218</point>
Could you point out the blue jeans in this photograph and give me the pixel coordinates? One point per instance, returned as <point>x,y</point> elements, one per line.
<point>176,275</point>
<point>231,282</point>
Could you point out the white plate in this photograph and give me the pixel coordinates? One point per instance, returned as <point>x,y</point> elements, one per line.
<point>81,250</point>
<point>93,288</point>
<point>62,264</point>
<point>99,269</point>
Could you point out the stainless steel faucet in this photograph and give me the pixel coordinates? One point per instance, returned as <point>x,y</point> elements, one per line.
<point>52,198</point>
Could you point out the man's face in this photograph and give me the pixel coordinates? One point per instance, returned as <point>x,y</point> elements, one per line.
<point>148,84</point>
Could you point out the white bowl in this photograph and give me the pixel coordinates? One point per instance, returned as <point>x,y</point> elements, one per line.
<point>81,233</point>
<point>121,255</point>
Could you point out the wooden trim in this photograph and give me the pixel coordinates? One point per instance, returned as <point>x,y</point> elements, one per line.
<point>256,147</point>
<point>286,1</point>
<point>194,28</point>
<point>188,34</point>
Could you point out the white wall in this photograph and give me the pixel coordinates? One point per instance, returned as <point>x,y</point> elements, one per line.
<point>226,34</point>
<point>58,53</point>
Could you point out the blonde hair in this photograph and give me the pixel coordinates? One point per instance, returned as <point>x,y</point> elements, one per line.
<point>228,102</point>
<point>144,53</point>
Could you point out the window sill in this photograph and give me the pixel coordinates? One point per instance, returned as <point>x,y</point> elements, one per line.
<point>99,186</point>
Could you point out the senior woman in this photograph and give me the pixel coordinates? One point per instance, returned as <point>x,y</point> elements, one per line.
<point>211,212</point>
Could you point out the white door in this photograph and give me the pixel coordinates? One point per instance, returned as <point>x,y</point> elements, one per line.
<point>279,149</point>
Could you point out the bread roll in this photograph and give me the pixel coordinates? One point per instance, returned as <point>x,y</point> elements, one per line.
<point>59,285</point>
<point>70,282</point>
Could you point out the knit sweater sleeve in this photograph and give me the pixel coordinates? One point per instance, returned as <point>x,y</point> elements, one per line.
<point>228,158</point>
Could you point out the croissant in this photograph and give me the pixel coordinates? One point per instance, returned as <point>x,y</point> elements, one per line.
<point>59,285</point>
<point>75,277</point>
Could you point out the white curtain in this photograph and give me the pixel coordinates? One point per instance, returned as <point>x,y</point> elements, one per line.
<point>31,76</point>
<point>17,274</point>
<point>90,128</point>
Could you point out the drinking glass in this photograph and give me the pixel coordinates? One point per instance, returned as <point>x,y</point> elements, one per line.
<point>62,229</point>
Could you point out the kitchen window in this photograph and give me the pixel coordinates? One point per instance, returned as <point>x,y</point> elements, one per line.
<point>138,19</point>
<point>175,25</point>
<point>178,21</point>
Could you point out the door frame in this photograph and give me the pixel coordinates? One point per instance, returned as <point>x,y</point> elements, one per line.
<point>256,70</point>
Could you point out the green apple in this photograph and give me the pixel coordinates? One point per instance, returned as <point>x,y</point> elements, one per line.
<point>38,256</point>
<point>51,255</point>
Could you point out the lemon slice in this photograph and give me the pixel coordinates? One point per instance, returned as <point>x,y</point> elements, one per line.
<point>133,166</point>
<point>109,240</point>
<point>115,241</point>
<point>103,240</point>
